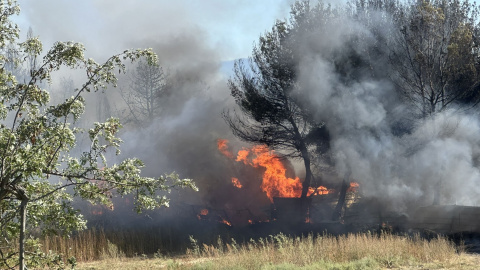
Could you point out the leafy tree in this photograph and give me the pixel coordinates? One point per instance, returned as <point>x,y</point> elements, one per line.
<point>37,148</point>
<point>436,55</point>
<point>144,96</point>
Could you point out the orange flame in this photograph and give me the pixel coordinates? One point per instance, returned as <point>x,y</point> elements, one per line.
<point>243,155</point>
<point>275,183</point>
<point>236,183</point>
<point>202,213</point>
<point>353,187</point>
<point>224,221</point>
<point>222,147</point>
<point>307,220</point>
<point>321,190</point>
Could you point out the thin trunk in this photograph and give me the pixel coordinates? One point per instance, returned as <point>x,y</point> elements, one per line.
<point>337,213</point>
<point>308,171</point>
<point>23,221</point>
<point>305,203</point>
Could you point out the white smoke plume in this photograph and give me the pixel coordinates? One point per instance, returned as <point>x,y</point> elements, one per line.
<point>402,170</point>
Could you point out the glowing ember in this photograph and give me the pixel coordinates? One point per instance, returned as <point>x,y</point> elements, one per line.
<point>250,221</point>
<point>222,147</point>
<point>202,214</point>
<point>307,219</point>
<point>321,190</point>
<point>224,221</point>
<point>353,187</point>
<point>236,183</point>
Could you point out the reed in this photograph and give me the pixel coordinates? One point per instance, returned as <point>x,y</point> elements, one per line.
<point>362,250</point>
<point>325,251</point>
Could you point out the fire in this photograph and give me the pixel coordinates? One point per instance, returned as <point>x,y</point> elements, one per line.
<point>236,183</point>
<point>223,148</point>
<point>202,214</point>
<point>307,219</point>
<point>353,187</point>
<point>321,190</point>
<point>226,222</point>
<point>243,155</point>
<point>275,182</point>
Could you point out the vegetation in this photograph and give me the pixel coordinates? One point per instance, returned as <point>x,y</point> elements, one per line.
<point>266,93</point>
<point>143,98</point>
<point>426,50</point>
<point>353,251</point>
<point>429,54</point>
<point>38,139</point>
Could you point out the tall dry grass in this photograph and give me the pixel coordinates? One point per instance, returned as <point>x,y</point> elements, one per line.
<point>362,250</point>
<point>96,244</point>
<point>366,249</point>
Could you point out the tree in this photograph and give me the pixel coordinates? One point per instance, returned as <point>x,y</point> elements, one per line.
<point>266,92</point>
<point>436,55</point>
<point>148,85</point>
<point>38,145</point>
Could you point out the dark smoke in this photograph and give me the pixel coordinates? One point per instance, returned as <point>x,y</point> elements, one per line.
<point>401,171</point>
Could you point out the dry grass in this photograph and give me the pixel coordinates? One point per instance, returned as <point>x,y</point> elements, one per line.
<point>96,244</point>
<point>353,251</point>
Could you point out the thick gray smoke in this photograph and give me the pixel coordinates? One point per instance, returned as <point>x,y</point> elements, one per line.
<point>402,170</point>
<point>440,153</point>
<point>192,40</point>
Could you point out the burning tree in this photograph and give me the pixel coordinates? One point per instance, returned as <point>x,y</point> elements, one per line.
<point>37,139</point>
<point>266,92</point>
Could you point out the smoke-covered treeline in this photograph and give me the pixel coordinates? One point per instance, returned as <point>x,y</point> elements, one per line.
<point>382,90</point>
<point>393,83</point>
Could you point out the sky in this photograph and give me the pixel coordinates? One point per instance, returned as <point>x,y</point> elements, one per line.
<point>106,27</point>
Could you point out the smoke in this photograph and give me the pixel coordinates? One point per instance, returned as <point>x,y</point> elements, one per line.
<point>192,39</point>
<point>107,27</point>
<point>363,116</point>
<point>366,119</point>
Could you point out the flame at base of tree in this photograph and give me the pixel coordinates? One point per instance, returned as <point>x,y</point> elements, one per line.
<point>275,183</point>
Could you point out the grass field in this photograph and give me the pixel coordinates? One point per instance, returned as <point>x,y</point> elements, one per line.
<point>353,251</point>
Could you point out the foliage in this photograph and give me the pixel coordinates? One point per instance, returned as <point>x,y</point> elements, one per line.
<point>38,144</point>
<point>435,54</point>
<point>267,93</point>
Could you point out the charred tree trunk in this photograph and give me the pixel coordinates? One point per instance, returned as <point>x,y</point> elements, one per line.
<point>308,172</point>
<point>337,213</point>
<point>23,221</point>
